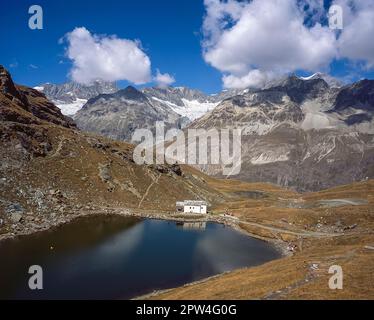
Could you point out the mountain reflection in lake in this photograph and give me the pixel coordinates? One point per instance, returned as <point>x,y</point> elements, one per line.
<point>113,257</point>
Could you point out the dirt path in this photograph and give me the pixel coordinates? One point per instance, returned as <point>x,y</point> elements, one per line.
<point>147,191</point>
<point>59,147</point>
<point>282,293</point>
<point>342,202</point>
<point>310,234</point>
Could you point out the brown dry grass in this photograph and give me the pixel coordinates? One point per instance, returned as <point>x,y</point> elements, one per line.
<point>73,166</point>
<point>286,278</point>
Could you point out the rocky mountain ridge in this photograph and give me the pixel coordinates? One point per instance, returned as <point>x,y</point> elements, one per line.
<point>71,96</point>
<point>300,133</point>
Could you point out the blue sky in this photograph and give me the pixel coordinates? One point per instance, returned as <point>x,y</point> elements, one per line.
<point>168,29</point>
<point>170,33</point>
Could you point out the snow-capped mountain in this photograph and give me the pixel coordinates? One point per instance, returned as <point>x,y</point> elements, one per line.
<point>189,103</point>
<point>331,81</point>
<point>70,97</point>
<point>118,115</point>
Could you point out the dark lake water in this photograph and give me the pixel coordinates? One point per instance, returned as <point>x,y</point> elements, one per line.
<point>120,258</point>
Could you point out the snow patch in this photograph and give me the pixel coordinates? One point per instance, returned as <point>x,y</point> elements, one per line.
<point>196,109</point>
<point>192,109</point>
<point>310,77</point>
<point>269,157</point>
<point>70,109</point>
<point>315,118</point>
<point>315,121</point>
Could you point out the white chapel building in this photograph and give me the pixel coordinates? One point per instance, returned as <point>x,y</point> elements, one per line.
<point>192,206</point>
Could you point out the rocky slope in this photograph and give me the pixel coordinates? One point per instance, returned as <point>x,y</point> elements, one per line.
<point>71,96</point>
<point>21,110</point>
<point>51,172</point>
<point>301,133</point>
<point>118,115</point>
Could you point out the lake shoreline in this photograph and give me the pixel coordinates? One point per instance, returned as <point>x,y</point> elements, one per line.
<point>137,214</point>
<point>281,246</point>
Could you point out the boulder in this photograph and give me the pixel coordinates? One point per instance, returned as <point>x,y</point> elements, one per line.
<point>15,212</point>
<point>15,217</point>
<point>14,207</point>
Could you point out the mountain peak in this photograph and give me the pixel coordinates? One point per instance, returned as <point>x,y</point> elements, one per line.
<point>331,81</point>
<point>317,75</point>
<point>131,93</point>
<point>16,99</point>
<point>364,82</point>
<point>71,91</point>
<point>7,86</point>
<point>131,89</point>
<point>176,95</point>
<point>359,95</point>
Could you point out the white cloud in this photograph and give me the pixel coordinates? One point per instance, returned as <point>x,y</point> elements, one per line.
<point>314,11</point>
<point>163,79</point>
<point>356,41</point>
<point>252,41</point>
<point>254,78</point>
<point>216,18</point>
<point>248,40</point>
<point>106,57</point>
